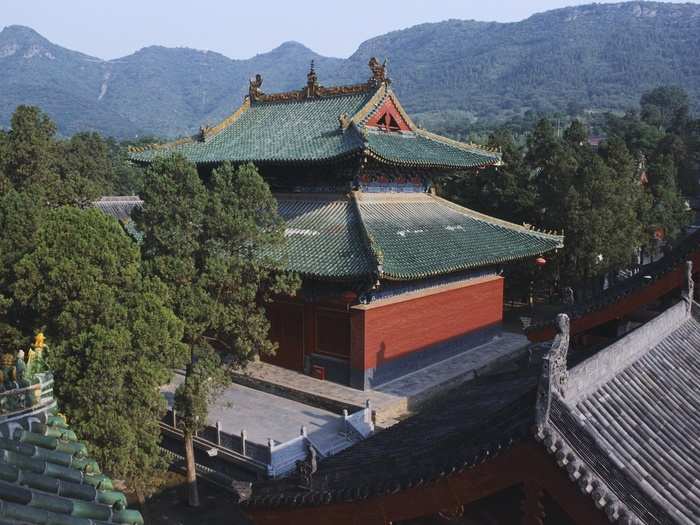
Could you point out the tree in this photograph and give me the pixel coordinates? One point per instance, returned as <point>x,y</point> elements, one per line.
<point>217,248</point>
<point>505,191</point>
<point>665,107</point>
<point>114,339</point>
<point>31,150</point>
<point>554,166</point>
<point>668,211</point>
<point>56,172</point>
<point>20,216</point>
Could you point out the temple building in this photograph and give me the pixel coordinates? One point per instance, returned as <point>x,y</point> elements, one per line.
<point>394,277</point>
<point>607,437</point>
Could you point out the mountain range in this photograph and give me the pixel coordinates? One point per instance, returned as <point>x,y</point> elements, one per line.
<point>596,57</point>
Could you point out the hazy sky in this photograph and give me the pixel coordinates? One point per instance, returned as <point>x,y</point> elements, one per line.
<point>114,28</point>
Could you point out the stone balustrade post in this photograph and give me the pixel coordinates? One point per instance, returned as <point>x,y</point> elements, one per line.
<point>218,433</point>
<point>244,437</point>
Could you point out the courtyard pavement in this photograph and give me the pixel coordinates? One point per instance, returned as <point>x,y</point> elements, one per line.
<point>265,416</point>
<point>395,399</point>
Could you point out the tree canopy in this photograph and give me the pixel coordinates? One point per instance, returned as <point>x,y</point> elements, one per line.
<point>114,338</point>
<point>208,244</point>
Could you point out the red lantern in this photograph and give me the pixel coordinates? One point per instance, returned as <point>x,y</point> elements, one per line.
<point>540,261</point>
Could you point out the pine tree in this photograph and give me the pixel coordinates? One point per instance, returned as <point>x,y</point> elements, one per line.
<point>217,249</point>
<point>114,341</point>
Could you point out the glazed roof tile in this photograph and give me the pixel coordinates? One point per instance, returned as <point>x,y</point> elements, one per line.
<point>323,237</point>
<point>419,149</point>
<point>47,477</point>
<point>285,131</point>
<point>291,128</point>
<point>394,236</point>
<point>419,235</point>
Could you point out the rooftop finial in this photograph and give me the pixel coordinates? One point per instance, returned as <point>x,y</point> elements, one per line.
<point>311,82</point>
<point>378,71</point>
<point>689,294</point>
<point>554,373</point>
<point>254,90</point>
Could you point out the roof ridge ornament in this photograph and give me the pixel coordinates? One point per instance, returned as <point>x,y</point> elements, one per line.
<point>312,86</point>
<point>379,72</point>
<point>689,293</point>
<point>254,91</point>
<point>554,375</point>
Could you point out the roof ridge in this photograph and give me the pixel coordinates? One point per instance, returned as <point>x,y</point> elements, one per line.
<point>322,92</point>
<point>363,113</point>
<point>361,117</point>
<point>369,241</point>
<point>205,132</point>
<point>499,222</point>
<point>163,145</point>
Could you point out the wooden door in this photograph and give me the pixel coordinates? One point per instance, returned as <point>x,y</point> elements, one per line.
<point>287,330</point>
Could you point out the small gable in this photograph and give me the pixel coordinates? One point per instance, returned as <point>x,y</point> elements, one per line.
<point>388,117</point>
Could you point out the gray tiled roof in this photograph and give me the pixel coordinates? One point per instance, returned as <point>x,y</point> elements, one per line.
<point>118,207</point>
<point>470,424</point>
<point>625,426</point>
<point>637,427</point>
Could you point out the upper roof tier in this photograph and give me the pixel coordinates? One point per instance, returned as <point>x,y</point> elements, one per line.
<point>317,125</point>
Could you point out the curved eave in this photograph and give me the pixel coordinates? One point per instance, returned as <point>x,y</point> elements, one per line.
<point>462,267</point>
<point>369,152</point>
<point>299,161</point>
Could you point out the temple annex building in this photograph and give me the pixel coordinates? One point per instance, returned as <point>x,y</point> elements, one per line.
<point>394,277</point>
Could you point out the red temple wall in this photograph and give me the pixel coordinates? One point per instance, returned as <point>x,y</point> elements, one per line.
<point>394,328</point>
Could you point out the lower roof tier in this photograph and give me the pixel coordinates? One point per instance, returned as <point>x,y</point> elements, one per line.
<point>362,236</point>
<point>397,236</point>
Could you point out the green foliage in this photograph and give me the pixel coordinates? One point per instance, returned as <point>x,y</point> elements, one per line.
<point>20,215</point>
<point>597,197</point>
<point>208,244</point>
<point>665,107</point>
<point>114,340</point>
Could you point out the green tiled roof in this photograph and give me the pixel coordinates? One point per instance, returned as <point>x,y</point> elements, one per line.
<point>324,237</point>
<point>293,131</point>
<point>46,477</point>
<point>416,149</point>
<point>312,130</point>
<point>419,235</point>
<point>398,236</point>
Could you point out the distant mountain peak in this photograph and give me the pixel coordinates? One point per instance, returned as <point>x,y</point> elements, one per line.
<point>291,47</point>
<point>25,42</point>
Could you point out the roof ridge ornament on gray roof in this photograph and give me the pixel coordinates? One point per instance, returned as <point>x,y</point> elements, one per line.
<point>689,293</point>
<point>554,374</point>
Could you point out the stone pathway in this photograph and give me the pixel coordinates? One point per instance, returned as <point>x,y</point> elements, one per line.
<point>394,399</point>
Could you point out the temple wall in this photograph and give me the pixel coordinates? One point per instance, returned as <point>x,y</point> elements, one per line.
<point>393,336</point>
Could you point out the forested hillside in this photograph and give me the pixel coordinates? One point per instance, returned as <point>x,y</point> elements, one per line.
<point>594,57</point>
